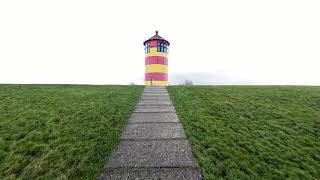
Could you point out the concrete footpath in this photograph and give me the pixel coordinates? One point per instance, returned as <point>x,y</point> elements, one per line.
<point>154,144</point>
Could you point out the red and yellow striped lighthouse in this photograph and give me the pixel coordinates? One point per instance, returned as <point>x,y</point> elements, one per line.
<point>156,61</point>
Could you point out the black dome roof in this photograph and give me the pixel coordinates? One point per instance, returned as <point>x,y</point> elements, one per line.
<point>156,37</point>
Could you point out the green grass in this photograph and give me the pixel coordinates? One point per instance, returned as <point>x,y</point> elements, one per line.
<point>252,132</point>
<point>61,131</point>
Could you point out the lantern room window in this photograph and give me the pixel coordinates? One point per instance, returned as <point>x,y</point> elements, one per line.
<point>147,48</point>
<point>161,47</point>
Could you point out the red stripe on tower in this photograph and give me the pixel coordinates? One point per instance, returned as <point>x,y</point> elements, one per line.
<point>156,76</point>
<point>156,60</point>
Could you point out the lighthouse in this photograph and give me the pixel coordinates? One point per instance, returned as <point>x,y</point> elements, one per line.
<point>156,61</point>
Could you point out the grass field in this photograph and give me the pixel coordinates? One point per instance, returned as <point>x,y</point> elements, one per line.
<point>252,132</point>
<point>61,131</point>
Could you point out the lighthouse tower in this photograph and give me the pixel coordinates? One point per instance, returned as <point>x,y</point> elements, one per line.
<point>156,61</point>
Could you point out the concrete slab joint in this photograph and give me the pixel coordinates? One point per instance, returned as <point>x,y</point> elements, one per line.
<point>154,144</point>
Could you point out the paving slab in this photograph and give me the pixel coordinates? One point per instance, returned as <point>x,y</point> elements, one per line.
<point>149,109</point>
<point>151,173</point>
<point>158,88</point>
<point>152,153</point>
<point>154,131</point>
<point>154,86</point>
<point>154,102</point>
<point>155,94</point>
<point>155,91</point>
<point>155,98</point>
<point>153,117</point>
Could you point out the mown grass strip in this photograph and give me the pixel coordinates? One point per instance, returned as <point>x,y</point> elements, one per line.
<point>61,131</point>
<point>252,132</point>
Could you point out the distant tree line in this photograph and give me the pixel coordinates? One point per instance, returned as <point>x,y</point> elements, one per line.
<point>187,83</point>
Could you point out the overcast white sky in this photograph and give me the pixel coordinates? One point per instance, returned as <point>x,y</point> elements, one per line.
<point>212,42</point>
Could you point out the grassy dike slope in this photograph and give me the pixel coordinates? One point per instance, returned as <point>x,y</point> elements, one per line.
<point>61,131</point>
<point>252,132</point>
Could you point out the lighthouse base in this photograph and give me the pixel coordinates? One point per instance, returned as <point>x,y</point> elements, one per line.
<point>156,83</point>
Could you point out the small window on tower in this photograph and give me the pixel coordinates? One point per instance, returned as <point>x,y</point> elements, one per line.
<point>158,47</point>
<point>147,48</point>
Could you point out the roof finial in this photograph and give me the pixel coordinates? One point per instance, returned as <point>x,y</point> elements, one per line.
<point>157,32</point>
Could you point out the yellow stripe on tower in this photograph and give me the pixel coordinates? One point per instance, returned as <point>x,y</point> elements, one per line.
<point>156,83</point>
<point>154,52</point>
<point>156,68</point>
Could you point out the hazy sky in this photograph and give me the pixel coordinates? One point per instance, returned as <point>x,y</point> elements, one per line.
<point>218,42</point>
